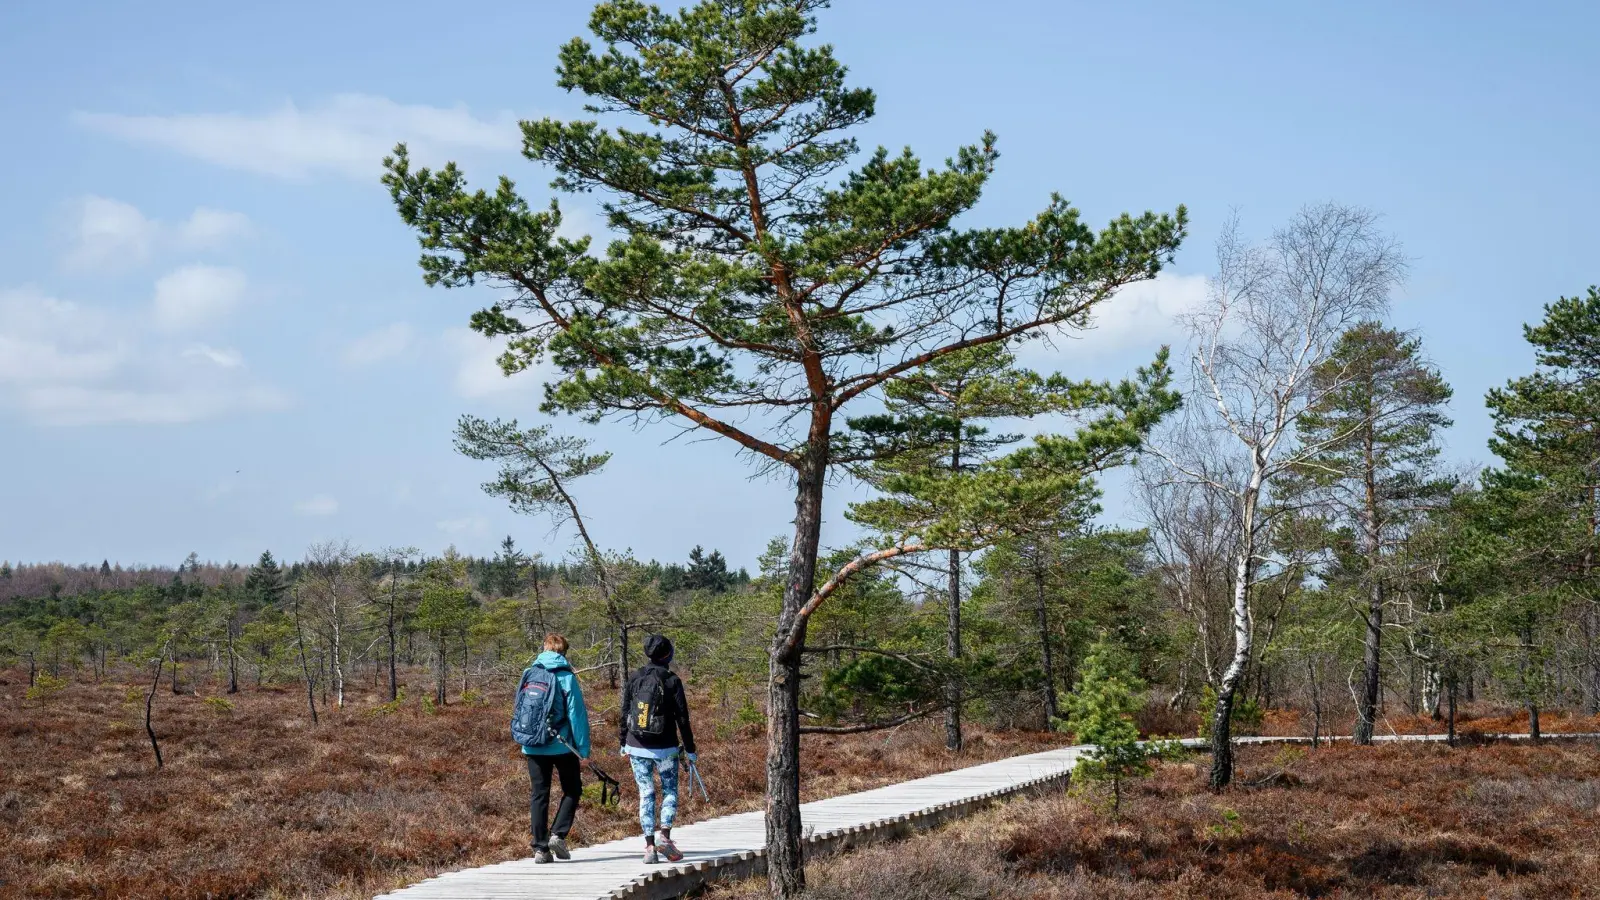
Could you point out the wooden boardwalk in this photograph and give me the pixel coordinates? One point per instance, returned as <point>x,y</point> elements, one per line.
<point>731,846</point>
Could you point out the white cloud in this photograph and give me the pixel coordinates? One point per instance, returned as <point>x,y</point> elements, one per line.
<point>196,295</point>
<point>465,525</point>
<point>64,363</point>
<point>383,344</point>
<point>108,234</point>
<point>477,366</point>
<point>207,227</point>
<point>347,135</point>
<point>319,505</point>
<point>1144,314</point>
<point>226,359</point>
<point>1134,323</point>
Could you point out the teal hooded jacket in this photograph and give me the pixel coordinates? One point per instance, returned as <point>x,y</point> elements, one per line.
<point>575,730</point>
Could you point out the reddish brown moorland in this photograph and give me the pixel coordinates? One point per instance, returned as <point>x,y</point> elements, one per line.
<point>255,802</point>
<point>1392,821</point>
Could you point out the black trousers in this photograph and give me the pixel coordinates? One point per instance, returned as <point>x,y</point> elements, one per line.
<point>567,766</point>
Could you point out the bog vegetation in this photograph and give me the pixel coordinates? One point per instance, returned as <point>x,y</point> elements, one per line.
<point>1306,552</point>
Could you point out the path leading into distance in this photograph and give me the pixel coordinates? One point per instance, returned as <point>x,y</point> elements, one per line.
<point>732,846</point>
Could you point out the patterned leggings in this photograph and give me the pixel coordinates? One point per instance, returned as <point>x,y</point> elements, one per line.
<point>667,770</point>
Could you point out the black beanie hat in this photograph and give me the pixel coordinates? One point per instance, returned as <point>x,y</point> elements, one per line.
<point>658,648</point>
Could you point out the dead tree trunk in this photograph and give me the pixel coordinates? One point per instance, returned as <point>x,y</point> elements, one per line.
<point>149,704</point>
<point>305,664</point>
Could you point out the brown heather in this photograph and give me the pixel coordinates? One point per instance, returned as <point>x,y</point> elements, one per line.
<point>1494,820</point>
<point>256,802</point>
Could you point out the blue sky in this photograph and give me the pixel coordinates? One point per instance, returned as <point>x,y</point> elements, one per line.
<point>213,336</point>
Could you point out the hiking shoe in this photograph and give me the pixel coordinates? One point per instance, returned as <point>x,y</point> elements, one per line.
<point>558,846</point>
<point>650,857</point>
<point>669,849</point>
<point>542,856</point>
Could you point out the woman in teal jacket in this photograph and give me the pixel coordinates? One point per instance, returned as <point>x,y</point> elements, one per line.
<point>561,757</point>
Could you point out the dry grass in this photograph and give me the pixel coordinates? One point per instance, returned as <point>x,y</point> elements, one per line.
<point>1498,820</point>
<point>255,802</point>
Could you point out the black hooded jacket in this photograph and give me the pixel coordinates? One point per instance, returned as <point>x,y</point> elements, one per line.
<point>659,649</point>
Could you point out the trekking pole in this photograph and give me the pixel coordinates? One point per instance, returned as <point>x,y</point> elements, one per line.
<point>694,772</point>
<point>610,788</point>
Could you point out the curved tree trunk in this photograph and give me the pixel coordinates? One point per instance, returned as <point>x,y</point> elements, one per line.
<point>1243,573</point>
<point>785,858</point>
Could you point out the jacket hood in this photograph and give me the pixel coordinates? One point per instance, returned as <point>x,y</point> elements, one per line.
<point>552,661</point>
<point>658,648</point>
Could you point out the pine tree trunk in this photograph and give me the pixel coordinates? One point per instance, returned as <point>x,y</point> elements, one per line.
<point>1591,640</point>
<point>444,672</point>
<point>538,606</point>
<point>1052,711</point>
<point>1367,707</point>
<point>1316,704</point>
<point>394,679</point>
<point>785,857</point>
<point>952,687</point>
<point>1450,734</point>
<point>233,664</point>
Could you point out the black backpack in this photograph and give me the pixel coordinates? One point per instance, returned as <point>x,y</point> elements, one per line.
<point>648,691</point>
<point>540,710</point>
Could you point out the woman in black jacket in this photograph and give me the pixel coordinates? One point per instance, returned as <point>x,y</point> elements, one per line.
<point>655,720</point>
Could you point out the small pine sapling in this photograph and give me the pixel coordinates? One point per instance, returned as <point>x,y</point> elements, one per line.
<point>1101,712</point>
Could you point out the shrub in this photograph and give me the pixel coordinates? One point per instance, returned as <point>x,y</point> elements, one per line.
<point>220,704</point>
<point>392,706</point>
<point>46,685</point>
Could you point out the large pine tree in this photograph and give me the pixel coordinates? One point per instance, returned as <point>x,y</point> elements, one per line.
<point>768,277</point>
<point>1547,434</point>
<point>1379,407</point>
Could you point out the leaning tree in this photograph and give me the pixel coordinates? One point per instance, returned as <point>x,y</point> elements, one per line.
<point>767,278</point>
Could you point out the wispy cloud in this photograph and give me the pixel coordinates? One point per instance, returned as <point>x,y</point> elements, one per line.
<point>222,358</point>
<point>319,505</point>
<point>348,135</point>
<point>377,346</point>
<point>477,367</point>
<point>197,295</point>
<point>65,363</point>
<point>464,525</point>
<point>110,235</point>
<point>1136,320</point>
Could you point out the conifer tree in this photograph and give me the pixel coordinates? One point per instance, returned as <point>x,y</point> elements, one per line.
<point>1380,407</point>
<point>1100,712</point>
<point>263,584</point>
<point>1547,434</point>
<point>936,415</point>
<point>761,288</point>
